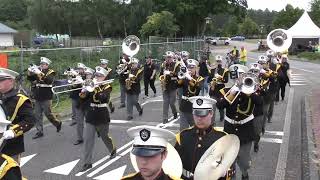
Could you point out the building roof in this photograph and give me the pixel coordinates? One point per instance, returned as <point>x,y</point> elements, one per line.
<point>304,28</point>
<point>6,29</point>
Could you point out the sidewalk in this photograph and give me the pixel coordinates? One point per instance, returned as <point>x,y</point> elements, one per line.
<point>313,114</point>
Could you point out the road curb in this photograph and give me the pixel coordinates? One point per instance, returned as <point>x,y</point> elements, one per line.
<point>314,170</point>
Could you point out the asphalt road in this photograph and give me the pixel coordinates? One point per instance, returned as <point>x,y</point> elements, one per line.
<point>284,151</point>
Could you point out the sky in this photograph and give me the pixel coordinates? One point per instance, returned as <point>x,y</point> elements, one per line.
<point>278,5</point>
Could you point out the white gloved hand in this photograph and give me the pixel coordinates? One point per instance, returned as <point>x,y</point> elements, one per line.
<point>166,72</point>
<point>131,75</point>
<point>78,79</point>
<point>8,134</point>
<point>123,61</point>
<point>262,71</point>
<point>234,90</point>
<point>188,76</point>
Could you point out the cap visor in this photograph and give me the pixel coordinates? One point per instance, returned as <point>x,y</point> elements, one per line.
<point>146,152</point>
<point>201,112</point>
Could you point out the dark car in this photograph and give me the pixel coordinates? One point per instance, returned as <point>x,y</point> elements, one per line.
<point>238,38</point>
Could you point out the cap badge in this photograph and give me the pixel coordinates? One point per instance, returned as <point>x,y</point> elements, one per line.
<point>145,134</point>
<point>199,102</point>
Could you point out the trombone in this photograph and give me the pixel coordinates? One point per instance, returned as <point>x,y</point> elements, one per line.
<point>88,84</point>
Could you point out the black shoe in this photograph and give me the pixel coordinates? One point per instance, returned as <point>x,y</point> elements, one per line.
<point>113,154</point>
<point>165,121</point>
<point>256,147</point>
<point>221,119</point>
<point>175,115</point>
<point>122,106</point>
<point>129,117</point>
<point>112,109</point>
<point>78,142</point>
<point>245,177</point>
<point>73,123</point>
<point>59,127</point>
<point>263,131</point>
<point>37,135</point>
<point>85,167</point>
<point>140,112</point>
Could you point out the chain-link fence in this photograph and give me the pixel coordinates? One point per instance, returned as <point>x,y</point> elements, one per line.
<point>62,58</point>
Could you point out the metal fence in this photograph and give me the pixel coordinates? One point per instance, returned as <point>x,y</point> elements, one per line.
<point>62,58</point>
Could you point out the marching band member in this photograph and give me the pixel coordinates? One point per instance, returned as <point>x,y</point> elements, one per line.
<point>77,109</point>
<point>181,58</point>
<point>283,77</point>
<point>267,78</point>
<point>258,121</point>
<point>191,85</point>
<point>97,118</point>
<point>104,64</point>
<point>149,75</point>
<point>122,79</point>
<point>19,109</point>
<point>219,77</point>
<point>133,88</point>
<point>168,79</point>
<point>150,149</point>
<point>42,79</point>
<point>239,106</point>
<point>204,71</point>
<point>192,143</point>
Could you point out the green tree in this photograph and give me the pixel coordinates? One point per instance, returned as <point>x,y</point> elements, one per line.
<point>13,10</point>
<point>160,24</point>
<point>249,27</point>
<point>286,18</point>
<point>231,28</point>
<point>315,12</point>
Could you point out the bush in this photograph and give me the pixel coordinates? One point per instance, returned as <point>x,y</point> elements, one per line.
<point>309,56</point>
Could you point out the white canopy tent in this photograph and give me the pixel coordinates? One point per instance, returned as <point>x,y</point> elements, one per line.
<point>305,28</point>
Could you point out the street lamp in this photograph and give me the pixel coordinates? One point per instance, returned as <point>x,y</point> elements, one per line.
<point>207,21</point>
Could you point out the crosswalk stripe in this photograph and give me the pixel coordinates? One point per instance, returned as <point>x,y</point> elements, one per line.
<point>115,174</point>
<point>25,159</point>
<point>63,169</point>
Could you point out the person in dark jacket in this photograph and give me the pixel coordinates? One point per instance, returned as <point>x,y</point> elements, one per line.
<point>18,109</point>
<point>133,88</point>
<point>42,80</point>
<point>149,74</point>
<point>283,77</point>
<point>97,118</point>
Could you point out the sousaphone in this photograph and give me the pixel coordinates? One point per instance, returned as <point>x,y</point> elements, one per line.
<point>279,40</point>
<point>216,161</point>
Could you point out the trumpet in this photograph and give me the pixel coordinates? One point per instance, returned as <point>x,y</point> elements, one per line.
<point>35,69</point>
<point>88,85</point>
<point>130,80</point>
<point>121,68</point>
<point>246,84</point>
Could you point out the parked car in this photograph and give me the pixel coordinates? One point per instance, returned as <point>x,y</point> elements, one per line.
<point>238,38</point>
<point>220,41</point>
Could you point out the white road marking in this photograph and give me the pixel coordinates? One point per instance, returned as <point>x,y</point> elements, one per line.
<point>303,69</point>
<point>298,84</point>
<point>271,140</point>
<point>104,159</point>
<point>150,101</point>
<point>115,174</point>
<point>108,163</point>
<point>63,169</point>
<point>24,160</point>
<point>283,154</point>
<point>274,133</point>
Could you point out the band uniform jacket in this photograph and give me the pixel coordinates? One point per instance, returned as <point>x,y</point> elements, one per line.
<point>240,109</point>
<point>189,88</point>
<point>9,169</point>
<point>135,86</point>
<point>123,76</point>
<point>283,76</point>
<point>137,176</point>
<point>274,85</point>
<point>42,84</point>
<point>267,81</point>
<point>96,109</point>
<point>18,109</point>
<point>172,78</point>
<point>192,143</point>
<point>75,94</point>
<point>221,84</point>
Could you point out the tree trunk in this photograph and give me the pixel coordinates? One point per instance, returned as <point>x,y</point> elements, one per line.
<point>70,34</point>
<point>124,26</point>
<point>99,29</point>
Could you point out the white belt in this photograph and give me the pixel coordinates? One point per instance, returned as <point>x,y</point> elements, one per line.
<point>231,121</point>
<point>174,78</point>
<point>98,105</point>
<point>44,85</point>
<point>185,98</point>
<point>220,83</point>
<point>186,173</point>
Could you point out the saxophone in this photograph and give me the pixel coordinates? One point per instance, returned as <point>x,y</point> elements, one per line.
<point>163,83</point>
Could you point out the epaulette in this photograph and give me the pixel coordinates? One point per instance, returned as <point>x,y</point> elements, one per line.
<point>219,129</point>
<point>174,178</point>
<point>129,176</point>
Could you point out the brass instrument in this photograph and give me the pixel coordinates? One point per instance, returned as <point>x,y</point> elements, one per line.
<point>130,80</point>
<point>162,79</point>
<point>35,69</point>
<point>246,84</point>
<point>88,84</point>
<point>279,40</point>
